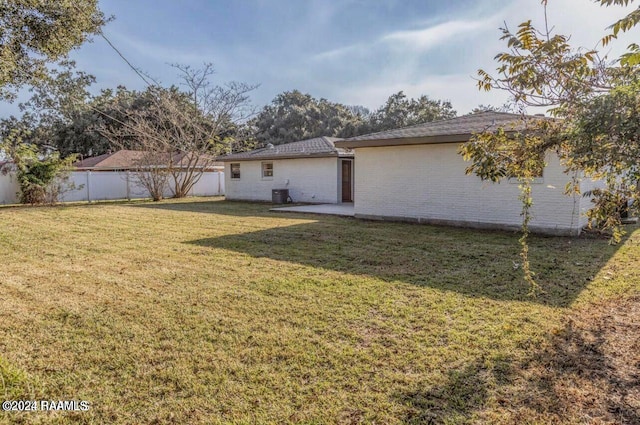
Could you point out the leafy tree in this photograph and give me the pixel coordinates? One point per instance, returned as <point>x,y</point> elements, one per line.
<point>597,136</point>
<point>14,131</point>
<point>295,116</point>
<point>37,32</point>
<point>62,115</point>
<point>507,107</point>
<point>603,140</point>
<point>59,104</point>
<point>81,131</point>
<point>399,111</point>
<point>41,177</point>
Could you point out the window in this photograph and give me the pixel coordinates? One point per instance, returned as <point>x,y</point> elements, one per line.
<point>235,171</point>
<point>267,170</point>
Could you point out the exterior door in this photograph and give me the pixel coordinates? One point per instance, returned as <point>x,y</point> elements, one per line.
<point>347,196</point>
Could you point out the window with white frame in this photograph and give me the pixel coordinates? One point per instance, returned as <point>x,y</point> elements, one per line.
<point>235,171</point>
<point>267,170</point>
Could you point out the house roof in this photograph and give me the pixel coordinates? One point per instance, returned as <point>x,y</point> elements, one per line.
<point>310,148</point>
<point>124,160</point>
<point>453,130</point>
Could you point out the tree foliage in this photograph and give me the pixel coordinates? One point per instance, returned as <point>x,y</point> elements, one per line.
<point>597,134</point>
<point>400,111</point>
<point>603,140</point>
<point>507,107</point>
<point>295,116</point>
<point>56,112</point>
<point>41,177</point>
<point>624,24</point>
<point>62,115</point>
<point>34,33</point>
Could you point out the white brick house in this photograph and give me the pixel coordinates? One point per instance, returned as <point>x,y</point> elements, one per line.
<point>314,171</point>
<point>424,180</point>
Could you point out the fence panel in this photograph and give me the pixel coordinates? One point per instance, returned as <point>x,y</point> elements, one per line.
<point>209,184</point>
<point>8,189</point>
<point>110,185</point>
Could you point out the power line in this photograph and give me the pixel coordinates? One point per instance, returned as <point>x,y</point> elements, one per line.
<point>136,70</point>
<point>127,61</point>
<point>102,34</point>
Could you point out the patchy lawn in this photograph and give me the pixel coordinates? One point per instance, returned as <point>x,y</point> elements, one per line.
<point>205,311</point>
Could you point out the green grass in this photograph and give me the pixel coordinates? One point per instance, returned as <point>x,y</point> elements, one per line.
<point>205,311</point>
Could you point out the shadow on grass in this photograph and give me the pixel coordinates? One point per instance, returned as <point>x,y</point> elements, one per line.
<point>470,262</point>
<point>479,263</point>
<point>455,401</point>
<point>590,369</point>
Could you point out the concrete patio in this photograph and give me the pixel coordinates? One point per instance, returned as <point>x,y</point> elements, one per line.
<point>345,209</point>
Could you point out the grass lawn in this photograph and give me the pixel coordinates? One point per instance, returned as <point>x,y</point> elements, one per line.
<point>206,311</point>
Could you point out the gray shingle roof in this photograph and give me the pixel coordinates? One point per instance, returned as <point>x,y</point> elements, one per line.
<point>129,159</point>
<point>317,147</point>
<point>452,130</point>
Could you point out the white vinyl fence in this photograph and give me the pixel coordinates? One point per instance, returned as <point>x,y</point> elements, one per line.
<point>8,188</point>
<point>110,185</point>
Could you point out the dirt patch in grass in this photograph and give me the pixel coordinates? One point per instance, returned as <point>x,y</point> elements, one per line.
<point>590,370</point>
<point>585,373</point>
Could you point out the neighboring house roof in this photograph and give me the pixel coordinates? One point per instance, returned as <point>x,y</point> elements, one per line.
<point>128,159</point>
<point>459,129</point>
<point>310,148</point>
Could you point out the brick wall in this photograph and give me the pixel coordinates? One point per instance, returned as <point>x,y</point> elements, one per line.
<point>313,180</point>
<point>428,182</point>
<point>587,185</point>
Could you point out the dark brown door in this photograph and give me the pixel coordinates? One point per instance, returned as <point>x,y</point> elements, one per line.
<point>346,182</point>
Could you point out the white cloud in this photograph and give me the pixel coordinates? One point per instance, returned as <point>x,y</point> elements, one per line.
<point>420,40</point>
<point>340,52</point>
<point>427,38</point>
<point>408,60</point>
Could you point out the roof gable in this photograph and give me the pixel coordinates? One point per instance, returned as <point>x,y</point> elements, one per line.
<point>130,159</point>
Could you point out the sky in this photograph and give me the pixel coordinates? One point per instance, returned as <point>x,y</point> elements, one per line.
<point>356,52</point>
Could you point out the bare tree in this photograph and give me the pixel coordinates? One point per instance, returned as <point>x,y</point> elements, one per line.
<point>150,155</point>
<point>151,173</point>
<point>207,130</point>
<point>179,134</point>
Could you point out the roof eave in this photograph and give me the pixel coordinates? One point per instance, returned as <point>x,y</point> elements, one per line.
<point>276,157</point>
<point>400,141</point>
<point>425,140</point>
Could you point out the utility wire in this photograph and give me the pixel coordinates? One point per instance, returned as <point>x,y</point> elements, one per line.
<point>102,34</point>
<point>136,70</point>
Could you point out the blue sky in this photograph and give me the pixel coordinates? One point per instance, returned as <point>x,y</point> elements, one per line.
<point>356,52</point>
